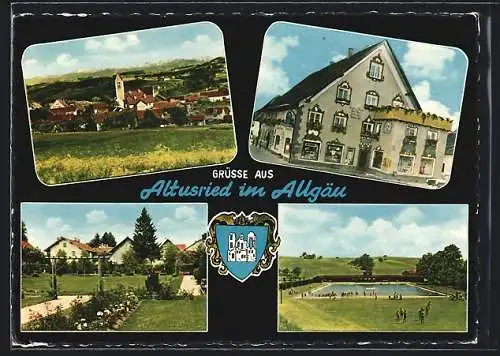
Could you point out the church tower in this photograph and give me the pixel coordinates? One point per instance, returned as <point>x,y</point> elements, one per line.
<point>120,91</point>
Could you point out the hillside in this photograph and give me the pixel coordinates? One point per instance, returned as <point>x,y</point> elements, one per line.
<point>340,266</point>
<point>173,78</point>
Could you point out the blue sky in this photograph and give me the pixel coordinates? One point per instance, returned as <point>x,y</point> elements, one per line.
<point>292,51</point>
<point>349,230</point>
<point>197,40</point>
<point>181,223</point>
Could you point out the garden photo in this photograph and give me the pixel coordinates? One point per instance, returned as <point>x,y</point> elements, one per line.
<point>113,267</point>
<point>363,106</point>
<point>129,103</point>
<point>373,268</point>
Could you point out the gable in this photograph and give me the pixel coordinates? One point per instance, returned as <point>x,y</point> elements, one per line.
<point>318,82</point>
<point>391,69</point>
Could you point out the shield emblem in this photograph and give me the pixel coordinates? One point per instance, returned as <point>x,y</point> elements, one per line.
<point>242,245</point>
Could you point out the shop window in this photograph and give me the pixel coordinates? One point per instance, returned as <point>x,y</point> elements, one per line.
<point>405,164</point>
<point>349,158</point>
<point>310,150</point>
<point>334,153</point>
<point>426,166</point>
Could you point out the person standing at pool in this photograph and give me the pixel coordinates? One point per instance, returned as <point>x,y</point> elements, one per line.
<point>421,315</point>
<point>427,308</point>
<point>404,315</point>
<point>397,315</point>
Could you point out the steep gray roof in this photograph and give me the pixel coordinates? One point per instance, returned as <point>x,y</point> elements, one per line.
<point>318,80</point>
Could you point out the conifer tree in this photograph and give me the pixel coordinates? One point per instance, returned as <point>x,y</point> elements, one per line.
<point>144,238</point>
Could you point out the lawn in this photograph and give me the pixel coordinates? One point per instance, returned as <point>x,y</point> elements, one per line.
<point>340,266</point>
<point>370,315</point>
<point>169,315</point>
<point>72,157</point>
<point>73,285</point>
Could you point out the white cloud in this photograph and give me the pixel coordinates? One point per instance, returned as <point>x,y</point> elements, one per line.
<point>202,46</point>
<point>57,224</point>
<point>338,57</point>
<point>114,43</point>
<point>409,215</point>
<point>423,93</point>
<point>425,60</point>
<point>66,60</point>
<point>92,44</point>
<point>96,216</point>
<point>406,234</point>
<point>185,213</point>
<point>272,78</point>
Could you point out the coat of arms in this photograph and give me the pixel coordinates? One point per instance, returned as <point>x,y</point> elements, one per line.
<point>242,245</point>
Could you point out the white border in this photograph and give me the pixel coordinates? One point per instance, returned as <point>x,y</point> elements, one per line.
<point>407,184</point>
<point>467,257</point>
<point>140,174</point>
<point>18,312</point>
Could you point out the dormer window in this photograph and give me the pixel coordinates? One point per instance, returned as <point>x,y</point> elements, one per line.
<point>397,102</point>
<point>339,122</point>
<point>371,99</point>
<point>343,93</point>
<point>375,71</point>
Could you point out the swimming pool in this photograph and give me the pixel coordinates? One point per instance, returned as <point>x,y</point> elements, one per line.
<point>380,289</point>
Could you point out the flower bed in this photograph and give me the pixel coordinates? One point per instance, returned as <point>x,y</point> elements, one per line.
<point>105,311</point>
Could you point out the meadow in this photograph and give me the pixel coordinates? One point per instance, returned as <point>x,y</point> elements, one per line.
<point>74,157</point>
<point>359,314</point>
<point>169,315</point>
<point>340,266</point>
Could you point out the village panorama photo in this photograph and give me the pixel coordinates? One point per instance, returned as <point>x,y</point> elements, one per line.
<point>113,267</point>
<point>129,103</point>
<point>358,105</point>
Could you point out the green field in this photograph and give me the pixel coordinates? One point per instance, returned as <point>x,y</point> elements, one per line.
<point>73,285</point>
<point>370,315</point>
<point>340,266</point>
<point>169,315</point>
<point>72,157</point>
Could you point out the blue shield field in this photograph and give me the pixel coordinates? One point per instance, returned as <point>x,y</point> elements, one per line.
<point>241,247</point>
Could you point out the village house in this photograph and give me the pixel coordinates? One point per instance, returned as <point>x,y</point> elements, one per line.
<point>358,114</point>
<point>73,248</point>
<point>115,255</point>
<point>215,95</point>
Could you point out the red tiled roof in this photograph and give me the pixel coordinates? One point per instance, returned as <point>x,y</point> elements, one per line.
<point>197,118</point>
<point>181,247</point>
<point>214,93</point>
<point>164,104</point>
<point>25,244</point>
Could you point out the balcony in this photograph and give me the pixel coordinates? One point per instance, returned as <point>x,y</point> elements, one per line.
<point>338,128</point>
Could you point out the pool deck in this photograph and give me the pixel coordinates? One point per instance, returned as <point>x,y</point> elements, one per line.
<point>381,297</point>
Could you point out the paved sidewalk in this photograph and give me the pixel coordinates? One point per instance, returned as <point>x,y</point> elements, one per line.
<point>190,285</point>
<point>49,307</point>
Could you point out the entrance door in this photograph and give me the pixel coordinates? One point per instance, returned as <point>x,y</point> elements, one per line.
<point>364,154</point>
<point>286,149</point>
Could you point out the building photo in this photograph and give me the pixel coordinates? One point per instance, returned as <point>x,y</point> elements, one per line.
<point>369,111</point>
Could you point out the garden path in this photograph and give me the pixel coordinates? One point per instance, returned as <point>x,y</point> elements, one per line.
<point>49,307</point>
<point>189,285</point>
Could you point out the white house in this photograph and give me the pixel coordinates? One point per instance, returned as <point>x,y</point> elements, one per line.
<point>116,254</point>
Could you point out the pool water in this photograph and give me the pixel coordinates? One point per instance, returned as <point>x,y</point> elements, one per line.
<point>380,289</point>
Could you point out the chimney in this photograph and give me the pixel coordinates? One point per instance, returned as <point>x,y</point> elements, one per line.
<point>350,51</point>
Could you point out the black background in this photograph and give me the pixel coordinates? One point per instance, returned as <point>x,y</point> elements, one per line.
<point>244,27</point>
